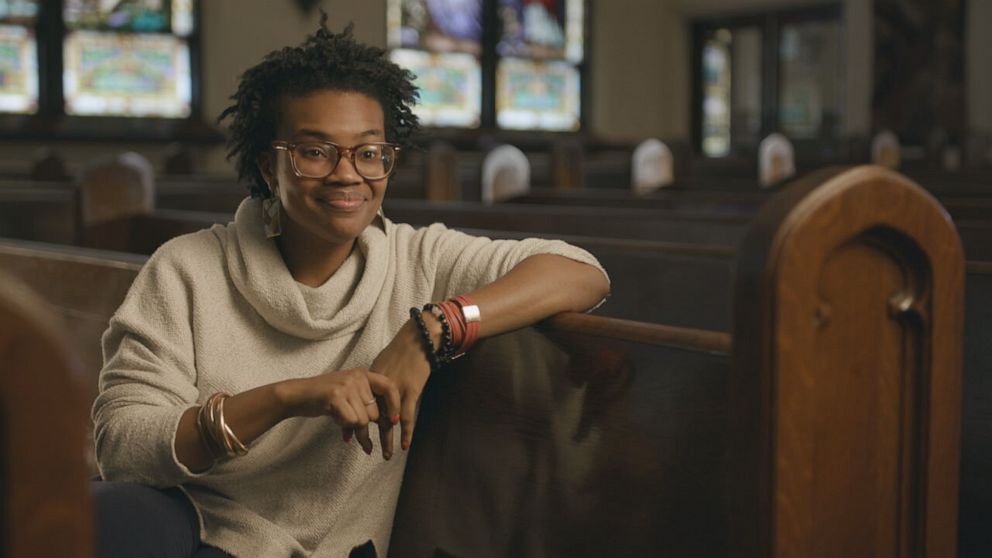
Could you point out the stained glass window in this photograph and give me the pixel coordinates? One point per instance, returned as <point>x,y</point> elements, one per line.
<point>126,75</point>
<point>18,57</point>
<point>145,16</point>
<point>537,95</point>
<point>746,87</point>
<point>22,12</point>
<point>537,82</point>
<point>716,94</point>
<point>127,58</point>
<point>436,25</point>
<point>450,86</point>
<point>182,17</point>
<point>67,64</point>
<point>541,29</point>
<point>811,58</point>
<point>742,99</point>
<point>440,41</point>
<point>532,68</point>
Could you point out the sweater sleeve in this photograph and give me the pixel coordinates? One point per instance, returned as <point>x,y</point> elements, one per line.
<point>148,379</point>
<point>462,263</point>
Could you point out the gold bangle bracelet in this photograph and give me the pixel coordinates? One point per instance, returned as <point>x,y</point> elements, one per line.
<point>205,436</point>
<point>232,444</point>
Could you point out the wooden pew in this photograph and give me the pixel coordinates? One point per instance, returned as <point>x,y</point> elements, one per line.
<point>82,287</point>
<point>44,491</point>
<point>866,257</point>
<point>973,214</point>
<point>628,456</point>
<point>38,211</point>
<point>691,201</point>
<point>221,196</point>
<point>673,215</point>
<point>588,437</point>
<point>144,233</point>
<point>675,283</point>
<point>657,273</point>
<point>685,285</point>
<point>688,291</point>
<point>962,207</point>
<point>645,224</point>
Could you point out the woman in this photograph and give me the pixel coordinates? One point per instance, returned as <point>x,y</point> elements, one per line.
<point>246,358</point>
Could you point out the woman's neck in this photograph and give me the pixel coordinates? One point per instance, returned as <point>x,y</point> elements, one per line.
<point>310,260</point>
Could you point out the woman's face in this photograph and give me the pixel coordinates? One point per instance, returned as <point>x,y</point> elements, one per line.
<point>338,207</point>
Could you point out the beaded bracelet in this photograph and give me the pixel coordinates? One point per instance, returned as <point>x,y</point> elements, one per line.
<point>425,333</point>
<point>447,350</point>
<point>457,323</point>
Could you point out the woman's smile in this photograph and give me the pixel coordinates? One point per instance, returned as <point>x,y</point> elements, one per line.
<point>343,200</point>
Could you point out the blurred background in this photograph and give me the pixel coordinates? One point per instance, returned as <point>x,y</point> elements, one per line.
<point>713,77</point>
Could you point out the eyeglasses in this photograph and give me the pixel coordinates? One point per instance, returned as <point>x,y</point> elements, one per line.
<point>318,159</point>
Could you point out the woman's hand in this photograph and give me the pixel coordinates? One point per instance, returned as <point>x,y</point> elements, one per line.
<point>405,362</point>
<point>351,397</point>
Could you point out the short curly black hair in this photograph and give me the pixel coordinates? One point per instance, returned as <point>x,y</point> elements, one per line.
<point>325,60</point>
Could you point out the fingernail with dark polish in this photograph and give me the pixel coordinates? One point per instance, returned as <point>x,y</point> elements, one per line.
<point>405,445</point>
<point>346,436</point>
<point>396,419</point>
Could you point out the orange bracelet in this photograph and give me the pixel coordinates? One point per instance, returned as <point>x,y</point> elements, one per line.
<point>469,312</point>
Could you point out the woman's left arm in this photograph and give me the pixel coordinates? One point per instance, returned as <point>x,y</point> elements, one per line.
<point>538,287</point>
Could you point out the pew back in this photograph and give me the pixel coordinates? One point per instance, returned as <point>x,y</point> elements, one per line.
<point>847,379</point>
<point>81,287</point>
<point>44,501</point>
<point>645,224</point>
<point>115,187</point>
<point>586,437</point>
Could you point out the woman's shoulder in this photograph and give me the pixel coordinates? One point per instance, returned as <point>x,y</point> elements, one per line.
<point>178,269</point>
<point>405,235</point>
<point>201,249</point>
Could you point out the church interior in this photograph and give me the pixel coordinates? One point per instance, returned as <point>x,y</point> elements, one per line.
<point>792,200</point>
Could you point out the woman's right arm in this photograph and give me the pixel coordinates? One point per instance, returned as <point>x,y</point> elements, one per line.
<point>144,416</point>
<point>342,395</point>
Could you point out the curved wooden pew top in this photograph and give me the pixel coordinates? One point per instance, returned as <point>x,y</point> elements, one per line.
<point>847,377</point>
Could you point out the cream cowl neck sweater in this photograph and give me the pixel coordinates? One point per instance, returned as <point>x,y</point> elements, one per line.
<point>218,310</point>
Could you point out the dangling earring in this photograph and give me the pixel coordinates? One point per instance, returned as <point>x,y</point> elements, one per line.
<point>272,216</point>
